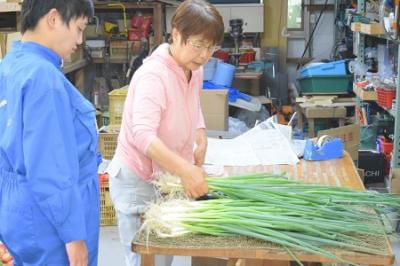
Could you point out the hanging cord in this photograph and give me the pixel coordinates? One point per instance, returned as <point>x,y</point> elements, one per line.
<point>312,34</point>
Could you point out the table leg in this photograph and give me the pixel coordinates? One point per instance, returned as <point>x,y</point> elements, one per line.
<point>341,122</point>
<point>232,262</point>
<point>310,127</point>
<point>300,118</point>
<point>147,260</point>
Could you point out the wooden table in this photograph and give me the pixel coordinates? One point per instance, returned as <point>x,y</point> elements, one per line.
<point>310,112</point>
<point>340,172</point>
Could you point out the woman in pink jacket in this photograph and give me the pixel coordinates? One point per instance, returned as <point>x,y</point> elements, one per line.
<point>162,118</point>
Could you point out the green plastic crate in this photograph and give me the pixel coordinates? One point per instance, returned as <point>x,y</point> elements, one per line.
<point>324,84</point>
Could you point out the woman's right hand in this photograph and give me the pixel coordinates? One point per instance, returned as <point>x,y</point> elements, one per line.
<point>193,181</point>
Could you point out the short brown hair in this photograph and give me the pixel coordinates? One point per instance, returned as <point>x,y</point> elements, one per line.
<point>198,17</point>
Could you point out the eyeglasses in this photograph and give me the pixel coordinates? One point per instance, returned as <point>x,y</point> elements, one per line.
<point>201,48</point>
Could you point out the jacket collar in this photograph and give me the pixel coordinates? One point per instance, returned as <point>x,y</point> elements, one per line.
<point>43,51</point>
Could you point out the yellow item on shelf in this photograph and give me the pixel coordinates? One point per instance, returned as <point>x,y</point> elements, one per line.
<point>110,27</point>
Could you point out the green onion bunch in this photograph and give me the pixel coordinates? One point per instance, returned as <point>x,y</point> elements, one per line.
<point>295,215</point>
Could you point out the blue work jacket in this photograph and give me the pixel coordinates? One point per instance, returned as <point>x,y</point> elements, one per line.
<point>48,143</point>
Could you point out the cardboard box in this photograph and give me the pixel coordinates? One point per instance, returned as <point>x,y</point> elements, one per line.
<point>372,28</point>
<point>214,104</point>
<point>395,180</point>
<point>349,134</point>
<point>356,26</point>
<point>6,41</point>
<point>365,95</point>
<point>325,112</point>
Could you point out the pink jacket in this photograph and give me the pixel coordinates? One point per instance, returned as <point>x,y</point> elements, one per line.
<point>160,103</point>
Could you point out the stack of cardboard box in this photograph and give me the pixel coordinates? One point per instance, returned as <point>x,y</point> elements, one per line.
<point>214,104</point>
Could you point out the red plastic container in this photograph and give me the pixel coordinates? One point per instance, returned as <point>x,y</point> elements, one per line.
<point>388,158</point>
<point>385,145</point>
<point>135,34</point>
<point>147,20</point>
<point>385,97</point>
<point>247,57</point>
<point>137,21</point>
<point>223,55</point>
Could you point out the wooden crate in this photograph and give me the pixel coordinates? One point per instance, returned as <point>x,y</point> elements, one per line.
<point>107,211</point>
<point>108,144</point>
<point>116,100</point>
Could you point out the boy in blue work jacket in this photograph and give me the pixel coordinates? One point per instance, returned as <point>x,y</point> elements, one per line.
<point>49,192</point>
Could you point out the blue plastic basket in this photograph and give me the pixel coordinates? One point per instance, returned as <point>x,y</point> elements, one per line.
<point>335,68</point>
<point>209,68</point>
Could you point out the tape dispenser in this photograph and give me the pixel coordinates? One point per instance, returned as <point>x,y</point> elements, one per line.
<point>325,148</point>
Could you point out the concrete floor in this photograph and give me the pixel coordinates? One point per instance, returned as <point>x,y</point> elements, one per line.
<point>111,252</point>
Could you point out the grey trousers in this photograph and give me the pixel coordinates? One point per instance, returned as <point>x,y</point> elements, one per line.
<point>129,194</point>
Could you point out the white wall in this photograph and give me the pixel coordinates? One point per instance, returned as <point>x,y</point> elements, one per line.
<point>322,44</point>
<point>324,36</point>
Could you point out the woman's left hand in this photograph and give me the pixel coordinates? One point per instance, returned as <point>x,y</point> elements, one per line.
<point>200,151</point>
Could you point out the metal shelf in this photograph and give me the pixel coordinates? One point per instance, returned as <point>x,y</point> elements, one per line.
<point>395,163</point>
<point>395,157</point>
<point>110,60</point>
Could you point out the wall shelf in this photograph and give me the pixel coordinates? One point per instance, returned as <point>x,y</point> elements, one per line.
<point>10,7</point>
<point>360,34</point>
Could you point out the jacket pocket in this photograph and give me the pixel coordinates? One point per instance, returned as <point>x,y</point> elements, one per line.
<point>85,125</point>
<point>16,221</point>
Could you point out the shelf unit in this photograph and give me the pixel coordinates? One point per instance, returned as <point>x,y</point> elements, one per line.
<point>74,69</point>
<point>110,60</point>
<point>10,18</point>
<point>155,7</point>
<point>395,163</point>
<point>10,7</point>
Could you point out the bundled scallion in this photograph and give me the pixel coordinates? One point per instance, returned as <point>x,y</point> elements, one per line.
<point>296,215</point>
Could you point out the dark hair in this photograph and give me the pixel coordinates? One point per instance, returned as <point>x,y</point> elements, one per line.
<point>198,17</point>
<point>33,10</point>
